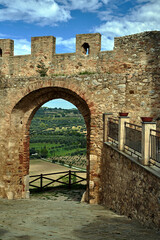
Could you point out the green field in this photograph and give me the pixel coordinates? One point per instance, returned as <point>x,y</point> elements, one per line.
<point>57,132</point>
<point>55,150</point>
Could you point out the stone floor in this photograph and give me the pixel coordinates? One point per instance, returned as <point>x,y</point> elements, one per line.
<point>58,216</point>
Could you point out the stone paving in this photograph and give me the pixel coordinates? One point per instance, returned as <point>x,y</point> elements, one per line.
<point>60,216</point>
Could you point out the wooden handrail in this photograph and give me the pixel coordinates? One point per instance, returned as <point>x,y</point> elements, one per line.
<point>69,173</point>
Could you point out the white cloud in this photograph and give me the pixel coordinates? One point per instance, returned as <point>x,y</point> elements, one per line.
<point>148,13</point>
<point>68,43</point>
<point>22,47</point>
<point>144,17</point>
<point>43,12</point>
<point>84,5</point>
<point>105,1</point>
<point>3,35</point>
<point>107,43</point>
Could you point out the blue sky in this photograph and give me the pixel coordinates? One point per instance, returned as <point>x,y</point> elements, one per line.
<point>59,103</point>
<point>22,19</point>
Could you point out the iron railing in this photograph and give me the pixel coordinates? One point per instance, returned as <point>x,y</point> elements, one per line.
<point>133,140</point>
<point>112,135</point>
<point>155,148</point>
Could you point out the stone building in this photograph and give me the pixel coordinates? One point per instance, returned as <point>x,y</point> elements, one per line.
<point>96,82</point>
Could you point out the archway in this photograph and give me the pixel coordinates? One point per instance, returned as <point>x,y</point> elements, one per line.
<point>57,148</point>
<point>21,117</point>
<point>86,48</point>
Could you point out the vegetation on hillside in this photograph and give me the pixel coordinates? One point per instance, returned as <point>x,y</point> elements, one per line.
<point>57,132</point>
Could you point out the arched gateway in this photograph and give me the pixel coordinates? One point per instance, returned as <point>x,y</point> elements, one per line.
<point>21,117</point>
<point>24,105</point>
<point>125,79</point>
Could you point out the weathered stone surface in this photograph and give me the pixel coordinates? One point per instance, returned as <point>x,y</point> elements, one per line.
<point>59,215</point>
<point>126,78</point>
<point>130,189</point>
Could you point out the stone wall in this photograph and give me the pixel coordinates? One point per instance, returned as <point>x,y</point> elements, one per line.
<point>133,54</point>
<point>130,188</point>
<point>130,71</point>
<point>125,79</point>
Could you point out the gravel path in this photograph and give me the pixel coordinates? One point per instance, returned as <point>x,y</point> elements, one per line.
<point>57,216</point>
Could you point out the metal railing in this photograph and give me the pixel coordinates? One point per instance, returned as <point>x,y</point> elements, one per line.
<point>68,178</point>
<point>137,141</point>
<point>112,135</point>
<point>133,140</point>
<point>155,148</point>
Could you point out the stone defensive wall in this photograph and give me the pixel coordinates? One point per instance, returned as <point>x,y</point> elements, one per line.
<point>125,79</point>
<point>130,71</point>
<point>134,53</point>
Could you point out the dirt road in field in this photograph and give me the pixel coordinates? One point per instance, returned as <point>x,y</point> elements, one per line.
<point>38,166</point>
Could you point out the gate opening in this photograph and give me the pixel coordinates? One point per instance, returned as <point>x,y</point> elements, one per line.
<point>58,147</point>
<point>21,118</point>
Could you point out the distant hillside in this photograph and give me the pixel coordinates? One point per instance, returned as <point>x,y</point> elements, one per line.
<point>57,132</point>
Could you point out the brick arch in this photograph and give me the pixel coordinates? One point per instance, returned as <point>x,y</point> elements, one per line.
<point>36,98</point>
<point>21,116</point>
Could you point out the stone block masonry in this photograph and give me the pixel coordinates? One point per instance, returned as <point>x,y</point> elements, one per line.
<point>129,188</point>
<point>97,82</point>
<point>131,54</point>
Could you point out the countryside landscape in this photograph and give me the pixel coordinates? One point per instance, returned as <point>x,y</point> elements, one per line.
<point>57,142</point>
<point>56,132</point>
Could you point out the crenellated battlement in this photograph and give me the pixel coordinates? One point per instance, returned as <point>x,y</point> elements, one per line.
<point>6,48</point>
<point>128,51</point>
<point>86,44</point>
<point>43,46</point>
